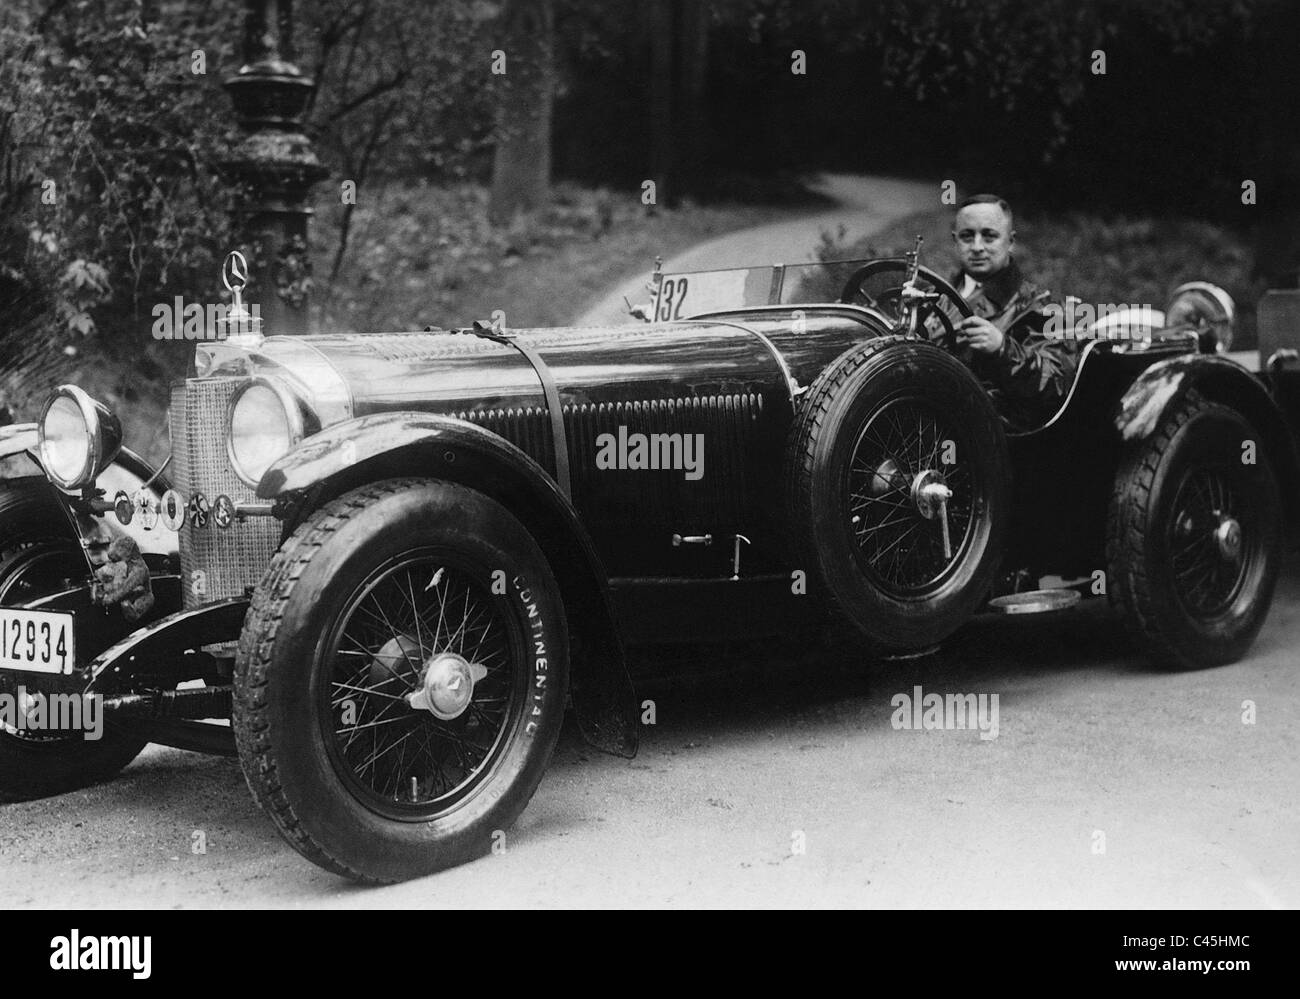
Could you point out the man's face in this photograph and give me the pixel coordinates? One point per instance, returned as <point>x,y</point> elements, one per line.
<point>984,238</point>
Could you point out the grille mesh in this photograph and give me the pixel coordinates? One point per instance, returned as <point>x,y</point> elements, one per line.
<point>233,559</point>
<point>719,500</point>
<point>663,499</point>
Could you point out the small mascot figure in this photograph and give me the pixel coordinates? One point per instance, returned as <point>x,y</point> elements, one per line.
<point>124,579</point>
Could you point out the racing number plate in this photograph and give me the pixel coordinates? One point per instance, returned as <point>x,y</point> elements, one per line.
<point>36,641</point>
<point>680,296</point>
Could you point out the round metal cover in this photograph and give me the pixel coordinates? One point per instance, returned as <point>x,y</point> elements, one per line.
<point>1035,601</point>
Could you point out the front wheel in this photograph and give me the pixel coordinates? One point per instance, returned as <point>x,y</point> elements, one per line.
<point>40,555</point>
<point>1193,537</point>
<point>401,680</point>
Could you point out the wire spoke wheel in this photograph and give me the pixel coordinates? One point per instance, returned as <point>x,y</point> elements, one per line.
<point>1194,536</point>
<point>903,448</point>
<point>31,569</point>
<point>898,491</point>
<point>417,626</point>
<point>1208,553</point>
<point>401,679</point>
<point>35,561</point>
<point>35,568</point>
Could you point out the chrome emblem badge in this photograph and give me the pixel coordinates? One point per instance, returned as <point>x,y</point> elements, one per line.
<point>146,508</point>
<point>223,511</point>
<point>123,508</point>
<point>234,272</point>
<point>172,510</point>
<point>199,509</point>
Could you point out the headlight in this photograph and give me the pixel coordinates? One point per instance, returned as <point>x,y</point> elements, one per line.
<point>78,438</point>
<point>1207,307</point>
<point>264,421</point>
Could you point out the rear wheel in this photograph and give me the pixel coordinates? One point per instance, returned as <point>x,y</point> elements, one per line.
<point>1193,533</point>
<point>401,680</point>
<point>899,488</point>
<point>38,555</point>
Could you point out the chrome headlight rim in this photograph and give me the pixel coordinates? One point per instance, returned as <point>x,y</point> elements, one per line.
<point>1214,312</point>
<point>93,425</point>
<point>289,403</point>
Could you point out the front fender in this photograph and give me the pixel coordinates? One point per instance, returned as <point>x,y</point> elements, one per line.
<point>1162,387</point>
<point>127,473</point>
<point>168,637</point>
<point>392,445</point>
<point>15,438</point>
<point>24,438</point>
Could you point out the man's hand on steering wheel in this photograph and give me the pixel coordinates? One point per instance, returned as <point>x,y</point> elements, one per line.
<point>980,335</point>
<point>881,284</point>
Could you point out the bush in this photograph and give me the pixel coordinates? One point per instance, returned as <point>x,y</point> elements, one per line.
<point>109,200</point>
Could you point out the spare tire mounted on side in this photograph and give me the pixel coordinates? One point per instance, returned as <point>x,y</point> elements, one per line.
<point>898,486</point>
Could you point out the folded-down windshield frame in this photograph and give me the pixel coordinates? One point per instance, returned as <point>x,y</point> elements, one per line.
<point>726,288</point>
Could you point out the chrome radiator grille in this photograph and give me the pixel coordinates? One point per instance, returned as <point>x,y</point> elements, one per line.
<point>231,560</point>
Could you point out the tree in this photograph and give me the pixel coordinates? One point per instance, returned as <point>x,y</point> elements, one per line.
<point>109,195</point>
<point>521,166</point>
<point>678,33</point>
<point>1202,96</point>
<point>1277,97</point>
<point>394,90</point>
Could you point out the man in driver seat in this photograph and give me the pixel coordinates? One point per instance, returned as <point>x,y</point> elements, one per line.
<point>1027,374</point>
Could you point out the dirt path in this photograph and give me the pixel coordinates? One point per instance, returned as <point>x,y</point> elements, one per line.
<point>864,205</point>
<point>1111,784</point>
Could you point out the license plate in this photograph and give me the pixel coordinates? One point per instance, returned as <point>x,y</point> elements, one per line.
<point>36,641</point>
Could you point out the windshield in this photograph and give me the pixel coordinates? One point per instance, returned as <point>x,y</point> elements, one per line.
<point>682,294</point>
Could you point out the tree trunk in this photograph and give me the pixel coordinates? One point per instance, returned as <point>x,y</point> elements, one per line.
<point>521,167</point>
<point>692,67</point>
<point>1277,241</point>
<point>659,24</point>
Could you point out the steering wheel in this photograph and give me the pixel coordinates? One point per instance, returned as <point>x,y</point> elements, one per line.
<point>939,306</point>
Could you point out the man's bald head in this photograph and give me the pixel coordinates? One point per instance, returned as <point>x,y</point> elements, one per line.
<point>984,233</point>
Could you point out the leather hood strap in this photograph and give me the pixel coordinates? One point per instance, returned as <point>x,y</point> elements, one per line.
<point>554,409</point>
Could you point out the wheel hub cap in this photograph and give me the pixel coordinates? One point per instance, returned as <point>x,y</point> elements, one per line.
<point>447,686</point>
<point>930,493</point>
<point>1227,538</point>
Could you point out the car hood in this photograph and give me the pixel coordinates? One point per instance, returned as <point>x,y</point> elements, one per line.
<point>346,375</point>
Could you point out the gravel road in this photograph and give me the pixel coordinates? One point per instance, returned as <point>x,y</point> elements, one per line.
<point>863,205</point>
<point>1196,807</point>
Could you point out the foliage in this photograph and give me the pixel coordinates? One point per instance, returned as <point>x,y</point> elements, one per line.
<point>1028,64</point>
<point>110,200</point>
<point>428,255</point>
<point>402,87</point>
<point>109,147</point>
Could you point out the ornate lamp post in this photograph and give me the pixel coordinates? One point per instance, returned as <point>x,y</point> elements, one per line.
<point>274,164</point>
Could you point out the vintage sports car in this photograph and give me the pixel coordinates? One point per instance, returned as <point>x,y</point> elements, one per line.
<point>393,560</point>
